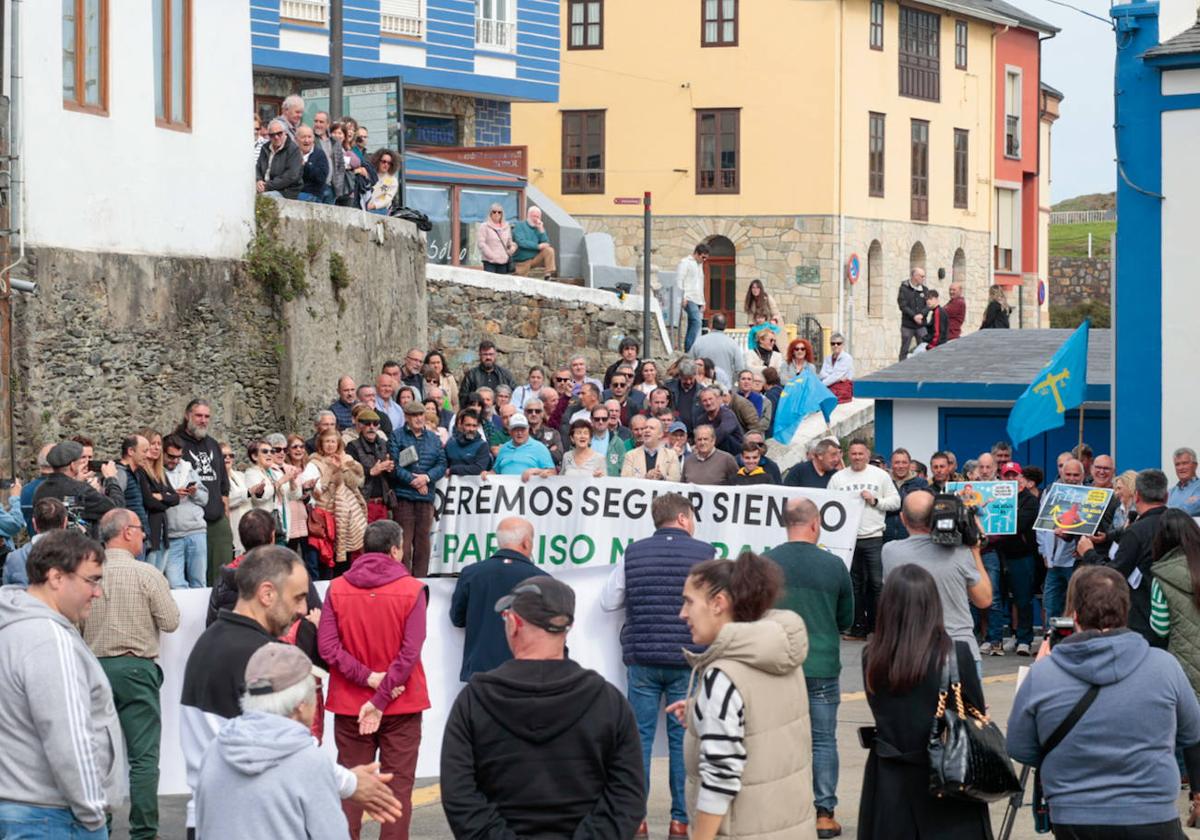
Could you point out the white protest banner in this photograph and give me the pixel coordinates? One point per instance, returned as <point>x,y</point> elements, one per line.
<point>588,522</point>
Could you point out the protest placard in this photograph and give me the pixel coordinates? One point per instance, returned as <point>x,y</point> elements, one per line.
<point>1076,509</point>
<point>994,501</point>
<point>581,521</point>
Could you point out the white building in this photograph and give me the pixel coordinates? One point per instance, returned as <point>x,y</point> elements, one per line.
<point>1156,296</point>
<point>134,126</point>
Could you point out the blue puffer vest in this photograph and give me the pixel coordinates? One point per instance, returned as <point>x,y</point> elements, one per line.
<point>655,571</point>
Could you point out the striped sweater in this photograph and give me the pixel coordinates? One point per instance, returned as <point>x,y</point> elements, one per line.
<point>721,725</point>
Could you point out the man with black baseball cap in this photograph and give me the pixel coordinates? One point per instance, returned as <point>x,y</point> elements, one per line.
<point>541,747</point>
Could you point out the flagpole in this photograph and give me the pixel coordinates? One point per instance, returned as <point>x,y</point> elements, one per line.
<point>1080,450</point>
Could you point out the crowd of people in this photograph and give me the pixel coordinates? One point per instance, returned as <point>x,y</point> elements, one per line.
<point>743,657</point>
<point>327,162</point>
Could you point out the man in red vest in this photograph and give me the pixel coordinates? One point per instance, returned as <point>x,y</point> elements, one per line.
<point>372,629</point>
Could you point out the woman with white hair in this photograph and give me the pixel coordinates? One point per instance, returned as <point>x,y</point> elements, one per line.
<point>495,241</point>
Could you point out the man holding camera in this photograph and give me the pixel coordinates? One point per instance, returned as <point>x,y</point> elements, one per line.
<point>958,569</point>
<point>84,501</point>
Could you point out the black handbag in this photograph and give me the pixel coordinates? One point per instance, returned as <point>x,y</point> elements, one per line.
<point>967,755</point>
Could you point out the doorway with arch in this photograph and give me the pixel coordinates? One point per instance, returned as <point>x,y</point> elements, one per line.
<point>720,280</point>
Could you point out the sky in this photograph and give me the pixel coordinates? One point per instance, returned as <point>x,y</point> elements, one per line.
<point>1079,62</point>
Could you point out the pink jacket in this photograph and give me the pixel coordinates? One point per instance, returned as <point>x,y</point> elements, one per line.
<point>495,243</point>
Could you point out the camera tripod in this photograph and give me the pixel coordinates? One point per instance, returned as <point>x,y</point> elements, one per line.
<point>1014,805</point>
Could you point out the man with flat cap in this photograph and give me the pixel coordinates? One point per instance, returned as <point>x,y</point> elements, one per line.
<point>370,449</point>
<point>541,747</point>
<point>68,463</point>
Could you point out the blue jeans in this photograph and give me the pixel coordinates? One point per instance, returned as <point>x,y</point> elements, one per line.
<point>648,685</point>
<point>158,558</point>
<point>1054,590</point>
<point>19,821</point>
<point>693,325</point>
<point>187,561</point>
<point>824,695</point>
<point>996,614</point>
<point>1020,581</point>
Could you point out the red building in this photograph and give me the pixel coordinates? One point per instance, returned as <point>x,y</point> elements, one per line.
<point>1016,229</point>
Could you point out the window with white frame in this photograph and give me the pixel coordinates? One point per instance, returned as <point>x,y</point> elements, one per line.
<point>307,11</point>
<point>1012,114</point>
<point>496,25</point>
<point>1006,252</point>
<point>402,17</point>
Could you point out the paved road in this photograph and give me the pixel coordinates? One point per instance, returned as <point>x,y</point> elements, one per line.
<point>429,823</point>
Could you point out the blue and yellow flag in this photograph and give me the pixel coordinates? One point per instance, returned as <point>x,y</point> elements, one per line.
<point>803,395</point>
<point>1059,387</point>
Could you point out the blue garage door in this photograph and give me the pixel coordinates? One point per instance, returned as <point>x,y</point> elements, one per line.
<point>969,431</point>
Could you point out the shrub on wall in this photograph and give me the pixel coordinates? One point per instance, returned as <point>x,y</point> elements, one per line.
<point>1070,317</point>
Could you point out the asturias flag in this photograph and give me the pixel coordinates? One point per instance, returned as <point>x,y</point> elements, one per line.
<point>1059,387</point>
<point>803,395</point>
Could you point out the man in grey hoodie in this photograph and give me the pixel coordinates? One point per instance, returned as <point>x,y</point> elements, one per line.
<point>1116,767</point>
<point>264,775</point>
<point>63,762</point>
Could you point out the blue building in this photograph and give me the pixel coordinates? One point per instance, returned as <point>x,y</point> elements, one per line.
<point>462,62</point>
<point>1156,296</point>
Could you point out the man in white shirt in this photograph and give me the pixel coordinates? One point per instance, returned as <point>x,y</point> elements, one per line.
<point>690,277</point>
<point>866,569</point>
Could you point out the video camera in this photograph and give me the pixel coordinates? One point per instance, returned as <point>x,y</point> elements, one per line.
<point>952,523</point>
<point>1061,627</point>
<point>75,507</point>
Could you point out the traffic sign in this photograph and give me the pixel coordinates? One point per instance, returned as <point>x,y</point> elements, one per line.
<point>853,268</point>
<point>627,201</point>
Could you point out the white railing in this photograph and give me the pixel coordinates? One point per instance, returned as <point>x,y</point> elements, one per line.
<point>1081,217</point>
<point>309,11</point>
<point>402,17</point>
<point>500,35</point>
<point>401,25</point>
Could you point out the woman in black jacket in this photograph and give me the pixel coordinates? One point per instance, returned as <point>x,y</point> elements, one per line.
<point>902,670</point>
<point>157,496</point>
<point>995,317</point>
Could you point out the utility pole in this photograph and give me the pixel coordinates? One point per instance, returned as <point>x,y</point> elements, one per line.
<point>647,336</point>
<point>335,60</point>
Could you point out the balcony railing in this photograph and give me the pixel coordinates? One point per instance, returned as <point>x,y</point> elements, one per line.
<point>402,17</point>
<point>500,35</point>
<point>309,11</point>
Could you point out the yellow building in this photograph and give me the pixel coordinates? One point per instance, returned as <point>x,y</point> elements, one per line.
<point>789,135</point>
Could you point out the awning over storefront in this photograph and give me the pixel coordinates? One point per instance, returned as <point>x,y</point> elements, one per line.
<point>421,167</point>
<point>456,197</point>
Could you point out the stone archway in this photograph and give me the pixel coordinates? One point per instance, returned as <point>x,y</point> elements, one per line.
<point>916,257</point>
<point>958,272</point>
<point>875,280</point>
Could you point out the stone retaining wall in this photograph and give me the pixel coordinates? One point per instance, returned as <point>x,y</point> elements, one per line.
<point>113,342</point>
<point>533,322</point>
<point>1075,280</point>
